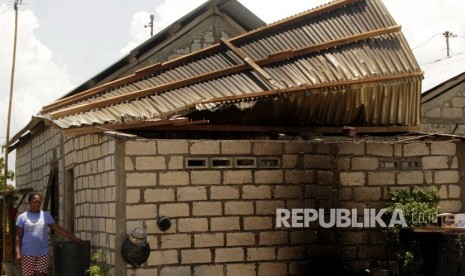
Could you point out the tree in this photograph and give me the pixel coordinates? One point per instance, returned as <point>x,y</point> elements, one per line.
<point>10,175</point>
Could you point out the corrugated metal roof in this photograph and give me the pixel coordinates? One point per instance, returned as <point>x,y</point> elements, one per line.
<point>440,71</point>
<point>341,63</point>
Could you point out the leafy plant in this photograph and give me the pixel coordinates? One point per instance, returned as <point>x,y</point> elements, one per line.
<point>10,175</point>
<point>99,265</point>
<point>419,208</point>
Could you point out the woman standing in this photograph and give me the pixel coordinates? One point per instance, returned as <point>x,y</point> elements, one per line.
<point>31,248</point>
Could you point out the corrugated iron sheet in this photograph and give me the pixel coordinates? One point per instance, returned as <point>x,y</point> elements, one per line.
<point>371,102</point>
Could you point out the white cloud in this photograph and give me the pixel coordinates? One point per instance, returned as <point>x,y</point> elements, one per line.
<point>38,78</point>
<point>166,13</point>
<point>171,10</point>
<point>139,33</point>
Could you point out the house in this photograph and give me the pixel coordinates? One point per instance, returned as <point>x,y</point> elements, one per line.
<point>202,149</point>
<point>442,100</point>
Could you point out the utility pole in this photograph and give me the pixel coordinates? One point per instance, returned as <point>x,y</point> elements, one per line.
<point>448,35</point>
<point>150,25</point>
<point>7,143</point>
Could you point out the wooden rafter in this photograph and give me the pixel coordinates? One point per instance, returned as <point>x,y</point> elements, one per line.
<point>100,89</point>
<point>281,129</point>
<point>120,126</point>
<point>223,72</point>
<point>146,92</point>
<point>255,67</point>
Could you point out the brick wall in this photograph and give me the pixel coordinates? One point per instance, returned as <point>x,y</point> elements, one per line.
<point>223,219</point>
<point>369,171</point>
<point>91,160</point>
<point>442,109</point>
<point>222,196</point>
<point>34,160</point>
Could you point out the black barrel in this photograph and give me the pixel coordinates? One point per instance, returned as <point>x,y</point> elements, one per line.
<point>71,258</point>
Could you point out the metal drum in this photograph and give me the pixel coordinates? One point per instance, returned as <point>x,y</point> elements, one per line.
<point>71,258</point>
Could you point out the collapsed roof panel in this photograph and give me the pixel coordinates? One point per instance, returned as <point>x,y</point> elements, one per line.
<point>344,63</point>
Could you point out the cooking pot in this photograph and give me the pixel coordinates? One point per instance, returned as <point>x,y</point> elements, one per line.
<point>133,254</point>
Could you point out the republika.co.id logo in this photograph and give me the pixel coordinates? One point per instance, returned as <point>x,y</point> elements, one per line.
<point>339,218</point>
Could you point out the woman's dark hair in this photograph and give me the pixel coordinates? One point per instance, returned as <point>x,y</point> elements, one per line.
<point>32,195</point>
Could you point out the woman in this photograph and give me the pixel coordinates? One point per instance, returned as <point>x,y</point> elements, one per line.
<point>31,250</point>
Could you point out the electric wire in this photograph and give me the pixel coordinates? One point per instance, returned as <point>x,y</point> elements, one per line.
<point>426,41</point>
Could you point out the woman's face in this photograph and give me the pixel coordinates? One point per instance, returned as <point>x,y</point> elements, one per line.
<point>35,203</point>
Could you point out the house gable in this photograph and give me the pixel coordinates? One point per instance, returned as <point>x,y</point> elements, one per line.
<point>443,107</point>
<point>203,31</point>
<point>225,10</point>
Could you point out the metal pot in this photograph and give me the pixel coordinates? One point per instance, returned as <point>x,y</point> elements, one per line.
<point>138,236</point>
<point>134,254</point>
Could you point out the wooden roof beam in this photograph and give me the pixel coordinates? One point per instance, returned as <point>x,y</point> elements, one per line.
<point>146,92</point>
<point>101,88</point>
<point>120,126</point>
<point>255,67</point>
<point>310,130</point>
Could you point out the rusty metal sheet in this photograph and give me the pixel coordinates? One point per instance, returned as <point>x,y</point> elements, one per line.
<point>384,103</point>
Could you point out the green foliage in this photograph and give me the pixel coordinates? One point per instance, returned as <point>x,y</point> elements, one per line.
<point>419,208</point>
<point>10,175</point>
<point>99,265</point>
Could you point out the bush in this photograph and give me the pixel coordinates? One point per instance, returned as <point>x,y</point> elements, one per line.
<point>99,265</point>
<point>419,208</point>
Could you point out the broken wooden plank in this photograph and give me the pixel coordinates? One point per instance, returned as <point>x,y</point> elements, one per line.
<point>120,126</point>
<point>260,72</point>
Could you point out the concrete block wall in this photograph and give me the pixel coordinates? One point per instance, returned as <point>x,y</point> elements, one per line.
<point>445,112</point>
<point>34,159</point>
<point>91,159</point>
<point>223,219</point>
<point>369,171</point>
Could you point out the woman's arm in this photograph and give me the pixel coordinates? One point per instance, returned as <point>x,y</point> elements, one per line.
<point>18,240</point>
<point>62,232</point>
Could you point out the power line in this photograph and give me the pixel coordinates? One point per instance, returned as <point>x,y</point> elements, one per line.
<point>426,41</point>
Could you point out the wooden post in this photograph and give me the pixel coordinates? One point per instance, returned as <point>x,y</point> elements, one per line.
<point>7,143</point>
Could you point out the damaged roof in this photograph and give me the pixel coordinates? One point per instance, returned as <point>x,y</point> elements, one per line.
<point>343,63</point>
